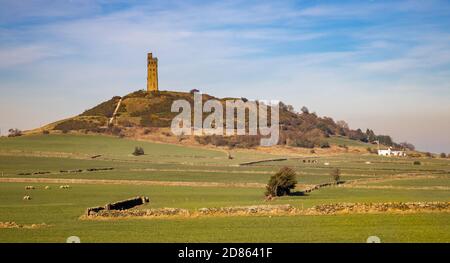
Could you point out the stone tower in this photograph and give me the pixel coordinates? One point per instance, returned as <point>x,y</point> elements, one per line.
<point>152,73</point>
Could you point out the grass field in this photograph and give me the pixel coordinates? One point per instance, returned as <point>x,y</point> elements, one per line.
<point>60,209</point>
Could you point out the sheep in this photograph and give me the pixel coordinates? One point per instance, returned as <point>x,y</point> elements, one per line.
<point>326,164</point>
<point>26,197</point>
<point>47,187</point>
<point>64,186</point>
<point>29,187</point>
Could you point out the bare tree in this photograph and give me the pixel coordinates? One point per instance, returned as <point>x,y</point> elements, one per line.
<point>336,174</point>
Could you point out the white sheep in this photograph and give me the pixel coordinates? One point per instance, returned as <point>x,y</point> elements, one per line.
<point>26,197</point>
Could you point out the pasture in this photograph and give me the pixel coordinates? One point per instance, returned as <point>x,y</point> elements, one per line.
<point>214,181</point>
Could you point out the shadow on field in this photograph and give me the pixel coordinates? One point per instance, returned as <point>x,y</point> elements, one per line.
<point>298,193</point>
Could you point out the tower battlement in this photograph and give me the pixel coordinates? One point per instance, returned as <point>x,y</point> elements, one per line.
<point>152,72</point>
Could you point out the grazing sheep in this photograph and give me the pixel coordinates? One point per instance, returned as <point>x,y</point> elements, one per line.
<point>326,164</point>
<point>47,187</point>
<point>26,197</point>
<point>64,187</point>
<point>368,162</point>
<point>29,187</point>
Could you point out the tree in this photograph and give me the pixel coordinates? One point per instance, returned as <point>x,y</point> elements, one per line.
<point>14,133</point>
<point>138,151</point>
<point>358,135</point>
<point>336,175</point>
<point>342,124</point>
<point>290,108</point>
<point>282,182</point>
<point>385,140</point>
<point>305,110</point>
<point>443,155</point>
<point>408,146</point>
<point>371,135</point>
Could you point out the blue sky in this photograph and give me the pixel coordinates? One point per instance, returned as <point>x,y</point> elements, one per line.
<point>376,64</point>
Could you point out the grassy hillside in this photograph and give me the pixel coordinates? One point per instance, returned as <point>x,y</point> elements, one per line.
<point>141,112</point>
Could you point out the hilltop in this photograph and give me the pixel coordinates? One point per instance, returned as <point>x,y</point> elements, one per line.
<point>147,115</point>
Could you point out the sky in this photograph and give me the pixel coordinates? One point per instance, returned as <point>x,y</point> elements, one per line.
<point>383,65</point>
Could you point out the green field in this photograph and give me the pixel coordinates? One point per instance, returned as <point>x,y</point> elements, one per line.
<point>60,209</point>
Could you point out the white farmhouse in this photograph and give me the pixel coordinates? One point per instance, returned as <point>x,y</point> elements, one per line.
<point>390,152</point>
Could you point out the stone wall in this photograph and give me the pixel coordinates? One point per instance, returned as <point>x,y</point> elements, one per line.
<point>120,205</point>
<point>276,210</point>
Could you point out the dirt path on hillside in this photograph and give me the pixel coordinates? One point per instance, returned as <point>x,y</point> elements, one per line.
<point>129,182</point>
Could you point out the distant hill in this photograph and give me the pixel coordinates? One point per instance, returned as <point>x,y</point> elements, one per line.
<point>144,110</point>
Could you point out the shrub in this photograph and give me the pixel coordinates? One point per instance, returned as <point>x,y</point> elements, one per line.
<point>304,110</point>
<point>14,133</point>
<point>416,163</point>
<point>105,109</point>
<point>324,144</point>
<point>336,174</point>
<point>45,132</point>
<point>408,146</point>
<point>152,120</point>
<point>138,151</point>
<point>428,154</point>
<point>114,130</point>
<point>240,141</point>
<point>304,143</point>
<point>385,140</point>
<point>282,182</point>
<point>74,124</point>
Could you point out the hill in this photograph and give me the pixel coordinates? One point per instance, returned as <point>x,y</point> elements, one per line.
<point>144,113</point>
